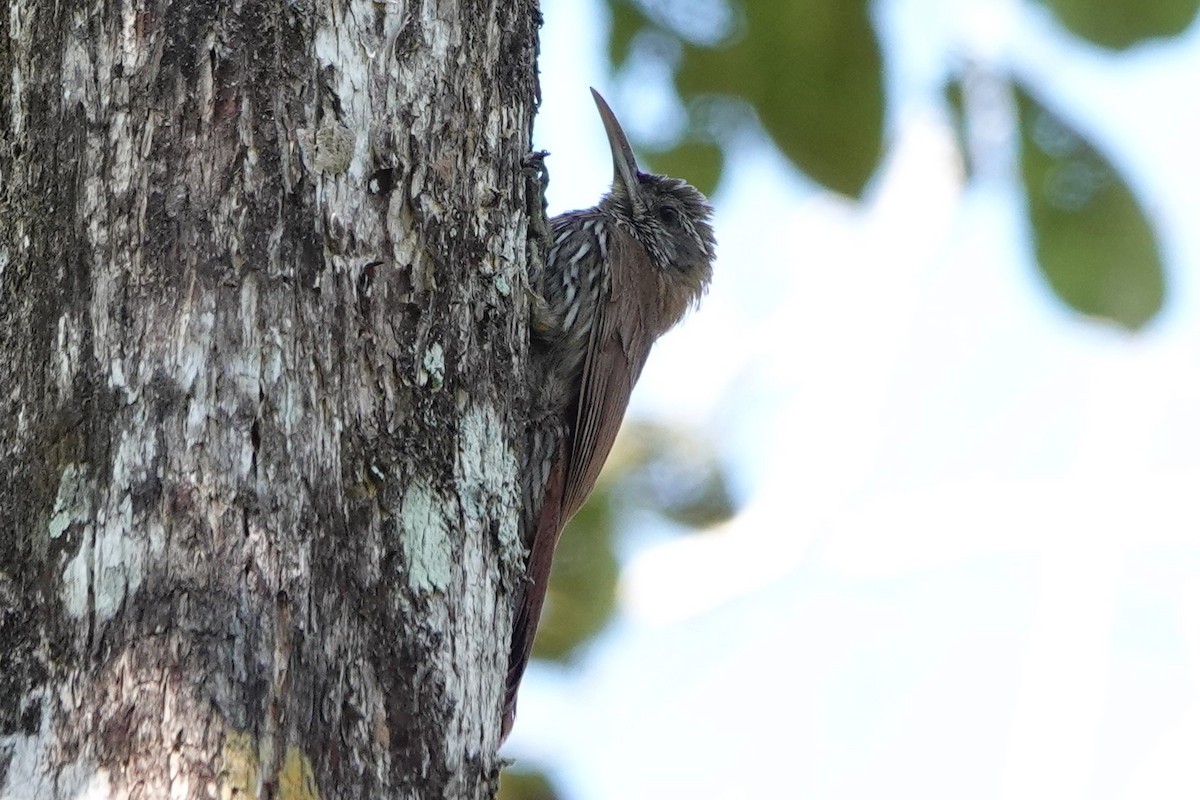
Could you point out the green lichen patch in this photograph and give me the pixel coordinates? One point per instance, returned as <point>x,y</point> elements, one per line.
<point>425,536</point>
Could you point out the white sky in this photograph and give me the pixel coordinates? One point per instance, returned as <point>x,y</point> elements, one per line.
<point>969,563</point>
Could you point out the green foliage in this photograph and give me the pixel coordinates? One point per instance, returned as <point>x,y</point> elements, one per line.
<point>958,112</point>
<point>1123,23</point>
<point>525,785</point>
<point>1093,243</point>
<point>700,161</point>
<point>670,471</point>
<point>674,472</point>
<point>583,581</point>
<point>810,69</point>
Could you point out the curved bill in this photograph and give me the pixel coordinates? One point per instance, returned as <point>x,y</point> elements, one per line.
<point>625,169</point>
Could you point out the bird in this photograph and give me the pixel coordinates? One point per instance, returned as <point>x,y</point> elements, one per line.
<point>616,277</point>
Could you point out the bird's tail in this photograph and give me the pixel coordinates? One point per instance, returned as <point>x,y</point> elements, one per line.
<point>547,529</point>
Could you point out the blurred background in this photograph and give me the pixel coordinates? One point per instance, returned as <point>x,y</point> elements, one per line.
<point>911,506</point>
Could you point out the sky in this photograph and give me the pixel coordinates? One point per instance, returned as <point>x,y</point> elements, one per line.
<point>968,559</point>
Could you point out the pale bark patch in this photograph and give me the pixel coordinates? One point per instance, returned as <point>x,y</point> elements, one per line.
<point>487,466</point>
<point>425,533</point>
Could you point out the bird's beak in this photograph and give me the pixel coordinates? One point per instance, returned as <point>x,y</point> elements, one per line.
<point>625,169</point>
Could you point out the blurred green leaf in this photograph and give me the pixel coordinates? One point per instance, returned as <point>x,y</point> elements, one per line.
<point>809,68</point>
<point>674,472</point>
<point>958,119</point>
<point>700,161</point>
<point>627,21</point>
<point>583,581</point>
<point>525,785</point>
<point>1122,23</point>
<point>1093,242</point>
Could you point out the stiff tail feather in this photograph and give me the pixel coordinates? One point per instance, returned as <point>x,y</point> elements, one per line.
<point>529,610</point>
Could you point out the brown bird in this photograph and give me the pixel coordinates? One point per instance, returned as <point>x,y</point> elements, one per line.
<point>617,276</point>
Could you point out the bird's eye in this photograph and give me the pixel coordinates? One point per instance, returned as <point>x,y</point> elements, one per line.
<point>668,215</point>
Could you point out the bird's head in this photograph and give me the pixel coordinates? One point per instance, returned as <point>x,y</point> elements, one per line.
<point>669,217</point>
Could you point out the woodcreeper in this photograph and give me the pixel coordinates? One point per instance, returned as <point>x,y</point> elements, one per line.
<point>617,276</point>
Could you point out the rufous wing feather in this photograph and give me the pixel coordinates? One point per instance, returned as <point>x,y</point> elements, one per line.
<point>617,351</point>
<point>618,345</point>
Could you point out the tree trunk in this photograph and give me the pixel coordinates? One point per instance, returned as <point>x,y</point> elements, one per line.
<point>262,328</point>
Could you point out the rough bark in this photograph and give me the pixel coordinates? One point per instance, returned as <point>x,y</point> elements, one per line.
<point>262,330</point>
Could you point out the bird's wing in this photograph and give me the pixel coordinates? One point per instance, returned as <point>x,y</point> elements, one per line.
<point>617,350</point>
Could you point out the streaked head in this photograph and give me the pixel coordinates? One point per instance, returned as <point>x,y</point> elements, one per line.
<point>670,217</point>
